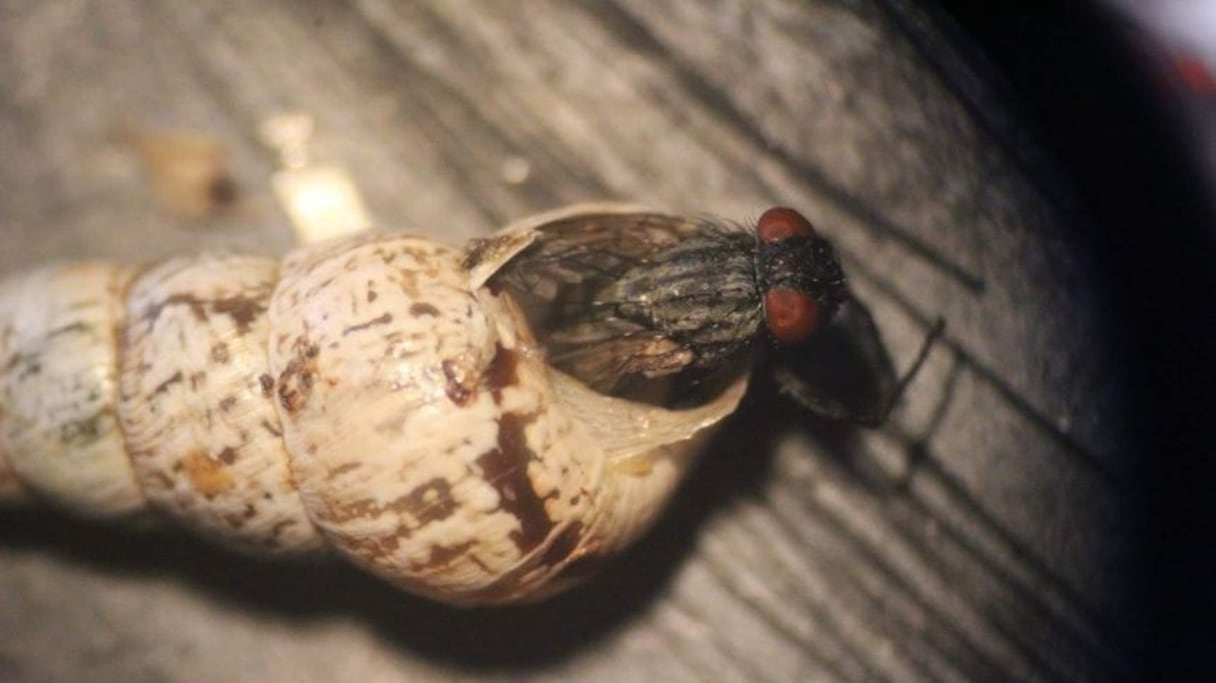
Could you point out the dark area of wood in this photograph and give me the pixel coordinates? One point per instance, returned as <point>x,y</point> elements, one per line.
<point>995,530</point>
<point>1103,96</point>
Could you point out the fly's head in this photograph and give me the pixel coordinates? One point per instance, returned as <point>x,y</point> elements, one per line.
<point>800,279</point>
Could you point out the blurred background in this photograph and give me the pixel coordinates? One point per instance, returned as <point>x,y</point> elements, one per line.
<point>1037,173</point>
<point>1179,37</point>
<point>1123,94</point>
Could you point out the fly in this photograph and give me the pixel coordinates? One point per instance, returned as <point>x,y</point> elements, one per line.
<point>628,302</point>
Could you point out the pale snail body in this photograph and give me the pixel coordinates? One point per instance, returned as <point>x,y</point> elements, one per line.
<point>373,395</point>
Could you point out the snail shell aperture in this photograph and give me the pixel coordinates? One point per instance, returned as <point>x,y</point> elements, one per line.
<point>381,395</point>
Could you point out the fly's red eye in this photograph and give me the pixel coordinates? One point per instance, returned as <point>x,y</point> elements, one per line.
<point>792,314</point>
<point>780,223</point>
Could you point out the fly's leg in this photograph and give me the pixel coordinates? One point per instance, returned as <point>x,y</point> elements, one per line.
<point>823,405</point>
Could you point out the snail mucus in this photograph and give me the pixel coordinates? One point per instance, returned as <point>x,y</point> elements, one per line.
<point>479,426</point>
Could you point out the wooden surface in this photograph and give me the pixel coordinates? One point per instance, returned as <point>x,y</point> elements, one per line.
<point>990,533</point>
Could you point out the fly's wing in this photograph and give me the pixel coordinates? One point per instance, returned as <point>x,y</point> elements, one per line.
<point>561,281</point>
<point>604,352</point>
<point>587,251</point>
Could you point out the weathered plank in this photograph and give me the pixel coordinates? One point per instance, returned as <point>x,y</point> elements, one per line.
<point>988,535</point>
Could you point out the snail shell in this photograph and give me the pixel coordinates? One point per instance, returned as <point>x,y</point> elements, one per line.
<point>377,395</point>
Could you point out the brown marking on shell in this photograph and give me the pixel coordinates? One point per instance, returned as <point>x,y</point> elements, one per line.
<point>502,372</point>
<point>430,502</point>
<point>242,309</point>
<point>296,381</point>
<point>382,319</point>
<point>196,306</point>
<point>441,556</point>
<point>220,353</point>
<point>364,508</point>
<point>81,433</point>
<point>324,284</point>
<point>207,475</point>
<point>421,308</point>
<point>197,379</point>
<point>343,469</point>
<point>506,469</point>
<point>373,548</point>
<point>238,521</point>
<point>164,386</point>
<point>417,503</point>
<point>385,255</point>
<point>460,387</point>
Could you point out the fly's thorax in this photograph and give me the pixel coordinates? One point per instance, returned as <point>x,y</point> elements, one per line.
<point>703,293</point>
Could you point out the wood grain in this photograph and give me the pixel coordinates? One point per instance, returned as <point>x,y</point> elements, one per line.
<point>990,533</point>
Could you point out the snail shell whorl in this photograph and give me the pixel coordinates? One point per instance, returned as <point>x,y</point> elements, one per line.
<point>58,385</point>
<point>197,402</point>
<point>421,424</point>
<point>372,394</point>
